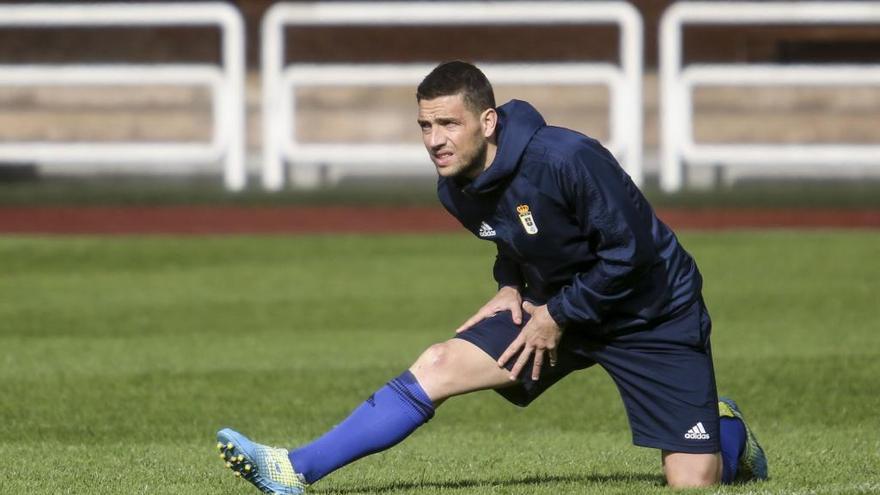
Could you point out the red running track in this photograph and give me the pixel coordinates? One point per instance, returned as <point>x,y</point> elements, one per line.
<point>196,220</point>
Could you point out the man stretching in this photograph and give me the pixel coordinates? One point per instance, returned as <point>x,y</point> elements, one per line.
<point>587,274</point>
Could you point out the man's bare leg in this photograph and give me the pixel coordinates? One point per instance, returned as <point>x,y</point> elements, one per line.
<point>457,367</point>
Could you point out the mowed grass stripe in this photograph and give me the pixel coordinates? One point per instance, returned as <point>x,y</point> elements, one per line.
<point>120,357</point>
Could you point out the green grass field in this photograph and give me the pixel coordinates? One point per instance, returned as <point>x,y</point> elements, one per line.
<point>121,357</point>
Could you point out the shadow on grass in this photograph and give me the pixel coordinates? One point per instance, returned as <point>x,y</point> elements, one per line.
<point>586,479</point>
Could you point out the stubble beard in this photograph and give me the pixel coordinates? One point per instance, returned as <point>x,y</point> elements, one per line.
<point>475,165</point>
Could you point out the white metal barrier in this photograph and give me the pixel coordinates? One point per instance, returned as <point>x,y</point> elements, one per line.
<point>226,83</point>
<point>677,84</point>
<point>280,81</point>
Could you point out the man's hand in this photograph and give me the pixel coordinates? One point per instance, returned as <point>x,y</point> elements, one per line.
<point>507,299</point>
<point>541,334</point>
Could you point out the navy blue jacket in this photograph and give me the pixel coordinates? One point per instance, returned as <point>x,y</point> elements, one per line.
<point>571,229</point>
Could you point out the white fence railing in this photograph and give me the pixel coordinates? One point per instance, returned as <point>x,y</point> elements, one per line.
<point>280,81</point>
<point>677,84</point>
<point>226,83</point>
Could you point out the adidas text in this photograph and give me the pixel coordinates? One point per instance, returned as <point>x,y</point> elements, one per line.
<point>697,433</point>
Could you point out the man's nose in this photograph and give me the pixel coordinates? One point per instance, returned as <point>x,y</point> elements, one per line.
<point>437,137</point>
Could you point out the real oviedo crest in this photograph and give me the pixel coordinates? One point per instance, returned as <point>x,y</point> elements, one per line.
<point>528,221</point>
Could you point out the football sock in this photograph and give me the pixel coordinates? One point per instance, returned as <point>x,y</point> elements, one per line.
<point>733,441</point>
<point>383,420</point>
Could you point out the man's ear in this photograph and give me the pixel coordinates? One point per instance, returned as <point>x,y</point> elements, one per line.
<point>489,120</point>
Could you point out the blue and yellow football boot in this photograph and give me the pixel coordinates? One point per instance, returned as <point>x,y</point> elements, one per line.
<point>752,462</point>
<point>268,468</point>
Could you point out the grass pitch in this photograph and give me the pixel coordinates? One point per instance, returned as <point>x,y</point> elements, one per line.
<point>120,358</point>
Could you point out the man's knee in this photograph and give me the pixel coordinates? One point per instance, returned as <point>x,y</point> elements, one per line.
<point>691,470</point>
<point>689,479</point>
<point>457,367</point>
<point>435,362</point>
<point>436,372</point>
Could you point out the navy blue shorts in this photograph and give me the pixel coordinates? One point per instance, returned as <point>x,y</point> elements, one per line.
<point>664,374</point>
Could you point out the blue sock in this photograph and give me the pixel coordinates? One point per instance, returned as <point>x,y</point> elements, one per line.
<point>383,420</point>
<point>733,441</point>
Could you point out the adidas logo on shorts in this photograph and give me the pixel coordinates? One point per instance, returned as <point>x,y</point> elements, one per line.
<point>697,432</point>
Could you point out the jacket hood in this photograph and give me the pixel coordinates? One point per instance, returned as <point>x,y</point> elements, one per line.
<point>517,123</point>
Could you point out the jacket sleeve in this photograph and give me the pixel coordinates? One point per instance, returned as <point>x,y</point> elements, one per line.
<point>506,271</point>
<point>606,205</point>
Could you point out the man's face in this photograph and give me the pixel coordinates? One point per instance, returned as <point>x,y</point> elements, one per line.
<point>455,136</point>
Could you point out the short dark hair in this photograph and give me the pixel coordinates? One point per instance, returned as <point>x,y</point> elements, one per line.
<point>452,78</point>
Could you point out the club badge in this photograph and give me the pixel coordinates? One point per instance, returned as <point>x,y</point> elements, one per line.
<point>525,216</point>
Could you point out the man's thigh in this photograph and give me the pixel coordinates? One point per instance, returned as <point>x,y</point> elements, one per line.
<point>493,335</point>
<point>456,367</point>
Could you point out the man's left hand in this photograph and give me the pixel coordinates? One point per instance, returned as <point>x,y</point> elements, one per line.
<point>540,335</point>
